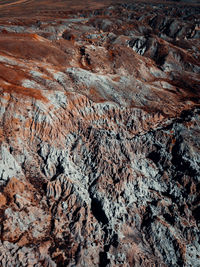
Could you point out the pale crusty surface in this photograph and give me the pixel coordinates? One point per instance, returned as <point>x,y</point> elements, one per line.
<point>100,135</point>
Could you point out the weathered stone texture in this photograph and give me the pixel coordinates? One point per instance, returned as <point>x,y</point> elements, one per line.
<point>100,137</point>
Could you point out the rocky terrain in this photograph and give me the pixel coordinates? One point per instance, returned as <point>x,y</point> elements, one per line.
<point>100,134</point>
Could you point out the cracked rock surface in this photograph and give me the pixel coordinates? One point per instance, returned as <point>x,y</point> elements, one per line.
<point>99,134</point>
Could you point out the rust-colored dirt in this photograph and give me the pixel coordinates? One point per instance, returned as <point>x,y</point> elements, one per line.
<point>99,133</point>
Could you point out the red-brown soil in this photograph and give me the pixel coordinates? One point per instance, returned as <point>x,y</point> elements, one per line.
<point>99,133</point>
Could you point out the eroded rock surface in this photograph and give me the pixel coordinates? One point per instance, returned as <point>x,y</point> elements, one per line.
<point>100,136</point>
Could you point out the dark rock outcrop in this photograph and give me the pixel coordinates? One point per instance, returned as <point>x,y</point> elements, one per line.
<point>100,135</point>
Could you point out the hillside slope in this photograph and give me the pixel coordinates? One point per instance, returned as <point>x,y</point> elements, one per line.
<point>100,136</point>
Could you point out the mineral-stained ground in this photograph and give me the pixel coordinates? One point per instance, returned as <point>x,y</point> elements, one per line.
<point>100,134</point>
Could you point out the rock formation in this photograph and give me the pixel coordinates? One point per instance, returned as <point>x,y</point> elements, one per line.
<point>100,135</point>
